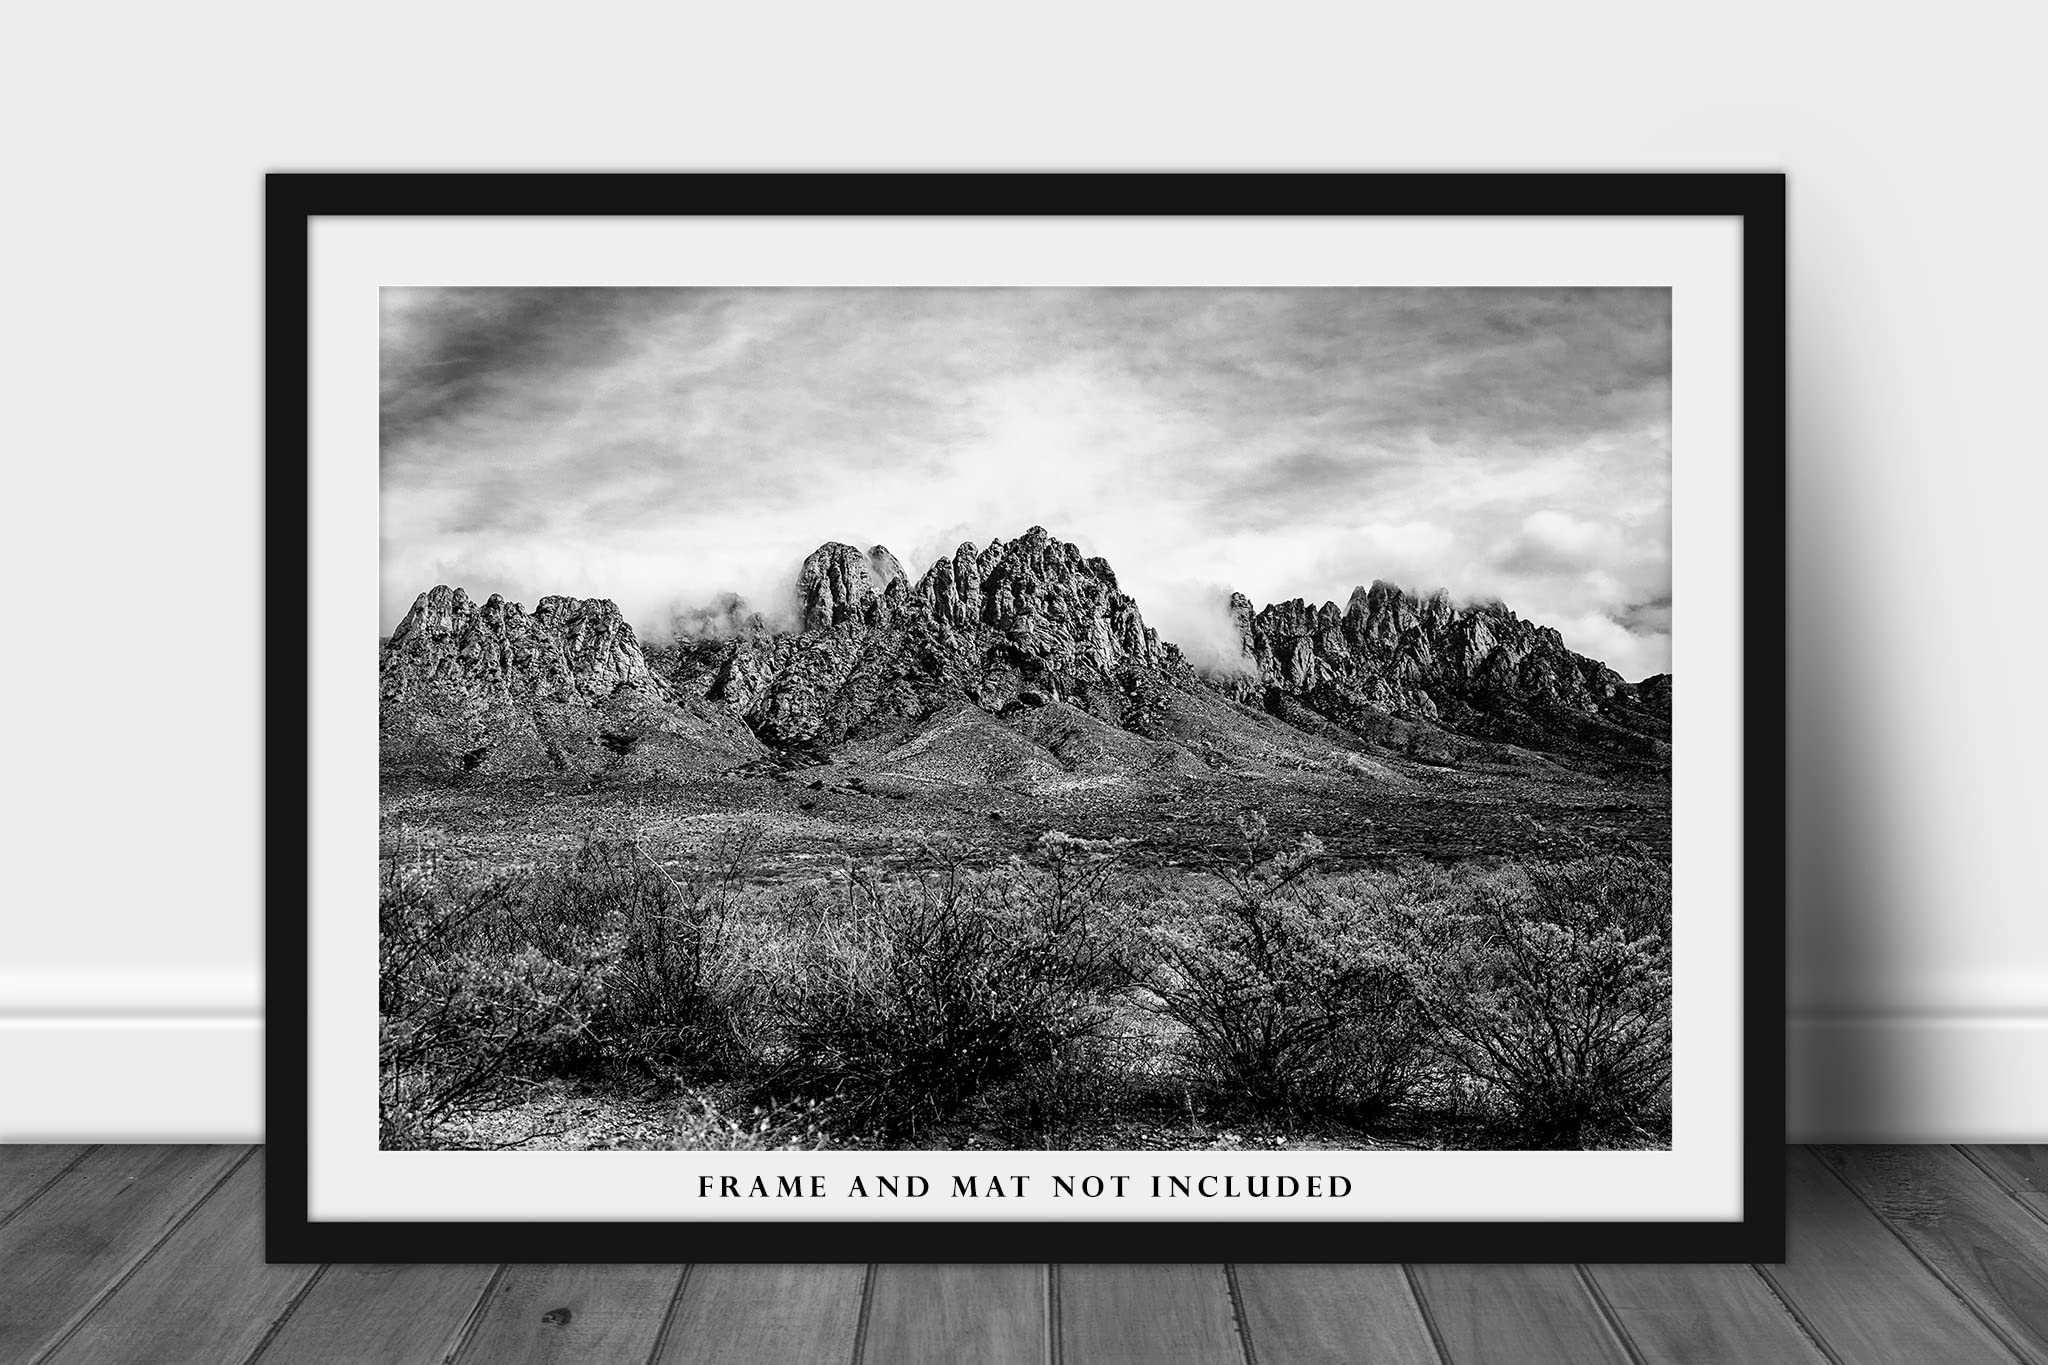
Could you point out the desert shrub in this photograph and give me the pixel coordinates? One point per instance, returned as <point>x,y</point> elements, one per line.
<point>467,1009</point>
<point>1294,1001</point>
<point>601,960</point>
<point>1069,903</point>
<point>1551,984</point>
<point>680,986</point>
<point>937,984</point>
<point>1051,1101</point>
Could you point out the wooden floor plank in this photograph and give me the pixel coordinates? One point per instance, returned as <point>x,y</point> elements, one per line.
<point>153,1254</point>
<point>2028,1166</point>
<point>1991,1251</point>
<point>91,1227</point>
<point>1147,1315</point>
<point>2023,1171</point>
<point>766,1315</point>
<point>957,1315</point>
<point>204,1296</point>
<point>585,1314</point>
<point>1333,1315</point>
<point>1697,1314</point>
<point>1857,1288</point>
<point>25,1168</point>
<point>380,1315</point>
<point>1516,1315</point>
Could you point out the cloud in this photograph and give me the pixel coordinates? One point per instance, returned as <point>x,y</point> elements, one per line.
<point>1632,653</point>
<point>1197,618</point>
<point>660,446</point>
<point>1554,542</point>
<point>1647,618</point>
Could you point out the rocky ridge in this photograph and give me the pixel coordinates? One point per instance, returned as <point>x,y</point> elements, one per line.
<point>1477,670</point>
<point>568,650</point>
<point>1009,624</point>
<point>487,688</point>
<point>1021,656</point>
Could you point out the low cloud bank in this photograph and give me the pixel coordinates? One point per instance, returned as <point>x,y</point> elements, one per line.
<point>1197,618</point>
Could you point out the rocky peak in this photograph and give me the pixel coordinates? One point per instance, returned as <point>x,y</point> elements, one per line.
<point>485,692</point>
<point>1242,613</point>
<point>1046,599</point>
<point>1395,652</point>
<point>950,590</point>
<point>886,569</point>
<point>1021,621</point>
<point>840,584</point>
<point>568,649</point>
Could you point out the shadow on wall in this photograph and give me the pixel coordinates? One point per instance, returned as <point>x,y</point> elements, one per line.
<point>1849,1076</point>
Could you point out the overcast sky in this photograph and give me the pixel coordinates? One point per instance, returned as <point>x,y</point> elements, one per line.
<point>659,446</point>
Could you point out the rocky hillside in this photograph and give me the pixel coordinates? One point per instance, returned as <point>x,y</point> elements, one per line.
<point>1020,657</point>
<point>1013,624</point>
<point>486,688</point>
<point>1478,670</point>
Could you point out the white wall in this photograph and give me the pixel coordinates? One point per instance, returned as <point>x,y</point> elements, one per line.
<point>130,541</point>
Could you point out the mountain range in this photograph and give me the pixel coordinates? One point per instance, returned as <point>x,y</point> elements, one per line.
<point>1022,662</point>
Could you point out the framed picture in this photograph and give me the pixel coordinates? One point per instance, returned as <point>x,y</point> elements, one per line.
<point>996,717</point>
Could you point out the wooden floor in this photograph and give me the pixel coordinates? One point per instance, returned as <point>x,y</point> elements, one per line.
<point>154,1256</point>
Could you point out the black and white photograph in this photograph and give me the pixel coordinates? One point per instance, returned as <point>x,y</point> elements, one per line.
<point>1007,719</point>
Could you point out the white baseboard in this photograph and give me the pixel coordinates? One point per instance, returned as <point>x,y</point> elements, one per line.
<point>165,1079</point>
<point>188,990</point>
<point>1917,1078</point>
<point>1850,1078</point>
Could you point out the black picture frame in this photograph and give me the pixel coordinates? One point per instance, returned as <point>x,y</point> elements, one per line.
<point>293,201</point>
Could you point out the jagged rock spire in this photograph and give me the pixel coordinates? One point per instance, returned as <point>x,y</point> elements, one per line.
<point>1027,620</point>
<point>568,650</point>
<point>486,689</point>
<point>1394,652</point>
<point>839,585</point>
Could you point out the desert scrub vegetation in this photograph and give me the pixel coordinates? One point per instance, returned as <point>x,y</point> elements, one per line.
<point>1550,985</point>
<point>600,962</point>
<point>1055,998</point>
<point>937,984</point>
<point>1294,1000</point>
